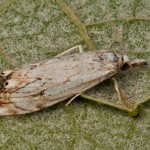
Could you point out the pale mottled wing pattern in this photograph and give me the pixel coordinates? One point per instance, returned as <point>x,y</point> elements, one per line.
<point>44,84</point>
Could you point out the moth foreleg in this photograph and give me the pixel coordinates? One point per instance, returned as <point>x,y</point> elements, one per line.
<point>122,99</point>
<point>71,50</point>
<point>118,90</point>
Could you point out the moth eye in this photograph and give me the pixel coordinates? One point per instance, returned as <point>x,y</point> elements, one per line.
<point>125,67</point>
<point>6,83</point>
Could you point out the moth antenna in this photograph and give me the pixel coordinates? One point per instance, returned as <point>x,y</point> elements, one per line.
<point>118,33</point>
<point>106,15</point>
<point>118,37</point>
<point>114,37</point>
<point>112,42</point>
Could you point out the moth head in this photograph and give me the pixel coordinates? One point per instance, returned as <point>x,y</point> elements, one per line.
<point>126,63</point>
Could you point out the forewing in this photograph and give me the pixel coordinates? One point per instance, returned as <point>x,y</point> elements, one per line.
<point>44,84</point>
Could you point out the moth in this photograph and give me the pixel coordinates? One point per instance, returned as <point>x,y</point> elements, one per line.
<point>40,85</point>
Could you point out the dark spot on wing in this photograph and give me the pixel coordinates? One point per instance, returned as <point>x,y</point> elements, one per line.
<point>39,94</point>
<point>33,67</point>
<point>38,78</point>
<point>101,58</point>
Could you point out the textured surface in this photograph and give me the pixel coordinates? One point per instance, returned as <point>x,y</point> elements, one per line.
<point>35,30</point>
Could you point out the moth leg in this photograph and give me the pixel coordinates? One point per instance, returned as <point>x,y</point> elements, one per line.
<point>122,100</point>
<point>124,103</point>
<point>73,98</point>
<point>118,90</point>
<point>71,50</point>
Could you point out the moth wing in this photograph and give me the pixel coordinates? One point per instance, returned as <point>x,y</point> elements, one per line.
<point>52,84</point>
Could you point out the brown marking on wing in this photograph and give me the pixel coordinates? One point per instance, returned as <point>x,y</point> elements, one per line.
<point>40,106</point>
<point>39,94</point>
<point>12,112</point>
